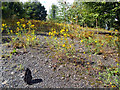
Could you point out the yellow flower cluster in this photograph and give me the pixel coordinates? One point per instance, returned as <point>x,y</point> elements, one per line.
<point>23,25</point>
<point>22,20</point>
<point>95,41</point>
<point>2,29</point>
<point>62,30</point>
<point>53,33</point>
<point>81,40</point>
<point>3,25</point>
<point>32,26</point>
<point>18,28</point>
<point>29,22</point>
<point>18,23</point>
<point>63,45</point>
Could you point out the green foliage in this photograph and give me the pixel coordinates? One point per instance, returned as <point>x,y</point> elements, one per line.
<point>91,14</point>
<point>29,10</point>
<point>63,6</point>
<point>53,12</point>
<point>12,10</point>
<point>35,10</point>
<point>106,13</point>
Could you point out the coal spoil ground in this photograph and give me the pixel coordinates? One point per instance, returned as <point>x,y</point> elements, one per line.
<point>46,72</point>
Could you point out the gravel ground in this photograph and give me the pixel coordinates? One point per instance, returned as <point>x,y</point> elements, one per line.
<point>46,72</point>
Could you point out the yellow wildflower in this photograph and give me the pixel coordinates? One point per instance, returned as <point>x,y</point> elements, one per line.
<point>11,31</point>
<point>37,38</point>
<point>2,29</point>
<point>54,31</point>
<point>23,25</point>
<point>95,41</point>
<point>33,32</point>
<point>56,38</point>
<point>29,22</point>
<point>81,40</point>
<point>110,36</point>
<point>63,45</point>
<point>117,63</point>
<point>109,31</point>
<point>33,38</point>
<point>113,86</point>
<point>53,34</point>
<point>13,38</point>
<point>89,55</point>
<point>62,30</point>
<point>32,26</point>
<point>3,25</point>
<point>18,23</point>
<point>83,52</point>
<point>49,33</point>
<point>18,29</point>
<point>116,30</point>
<point>88,63</point>
<point>27,39</point>
<point>65,34</point>
<point>67,30</point>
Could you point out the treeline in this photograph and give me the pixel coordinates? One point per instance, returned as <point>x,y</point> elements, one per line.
<point>87,14</point>
<point>92,14</point>
<point>27,10</point>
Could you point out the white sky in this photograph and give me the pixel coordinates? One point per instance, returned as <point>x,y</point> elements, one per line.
<point>47,3</point>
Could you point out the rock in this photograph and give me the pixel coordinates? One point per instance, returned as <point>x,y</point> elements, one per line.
<point>60,67</point>
<point>21,75</point>
<point>4,82</point>
<point>50,66</point>
<point>62,78</point>
<point>68,75</point>
<point>15,66</point>
<point>12,73</point>
<point>46,60</point>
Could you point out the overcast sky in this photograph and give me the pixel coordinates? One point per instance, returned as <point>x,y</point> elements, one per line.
<point>48,3</point>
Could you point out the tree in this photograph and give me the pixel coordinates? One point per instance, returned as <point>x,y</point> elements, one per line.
<point>108,13</point>
<point>53,12</point>
<point>35,10</point>
<point>63,6</point>
<point>10,9</point>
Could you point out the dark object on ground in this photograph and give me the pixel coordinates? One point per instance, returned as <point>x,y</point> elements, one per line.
<point>34,81</point>
<point>28,76</point>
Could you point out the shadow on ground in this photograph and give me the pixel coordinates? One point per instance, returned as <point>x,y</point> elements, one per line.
<point>35,81</point>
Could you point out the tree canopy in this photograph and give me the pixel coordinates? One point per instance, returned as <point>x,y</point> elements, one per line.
<point>29,10</point>
<point>35,10</point>
<point>91,14</point>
